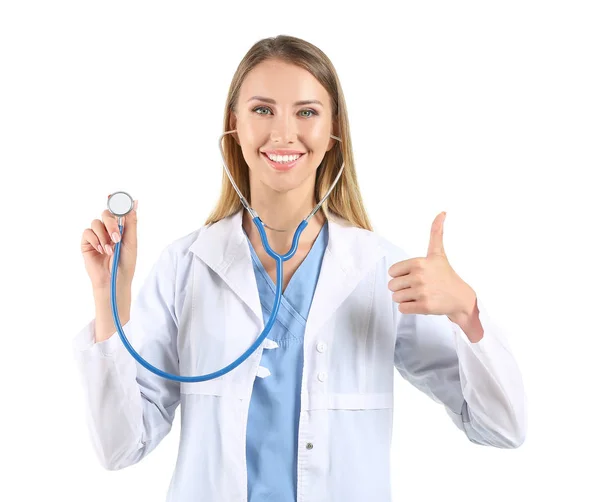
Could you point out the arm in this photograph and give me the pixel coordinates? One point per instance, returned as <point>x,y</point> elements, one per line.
<point>479,383</point>
<point>130,409</point>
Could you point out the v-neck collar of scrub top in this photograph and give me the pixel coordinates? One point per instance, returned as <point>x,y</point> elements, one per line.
<point>309,257</point>
<point>350,253</point>
<point>296,298</point>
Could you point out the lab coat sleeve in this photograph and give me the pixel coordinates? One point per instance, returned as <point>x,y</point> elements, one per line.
<point>479,383</point>
<point>129,409</point>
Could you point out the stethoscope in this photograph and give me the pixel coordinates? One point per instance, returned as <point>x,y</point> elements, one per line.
<point>121,203</point>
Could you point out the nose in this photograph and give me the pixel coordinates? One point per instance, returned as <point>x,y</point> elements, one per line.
<point>284,129</point>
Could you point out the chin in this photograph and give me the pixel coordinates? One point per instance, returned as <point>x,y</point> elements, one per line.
<point>283,181</point>
<point>279,181</point>
<point>280,187</point>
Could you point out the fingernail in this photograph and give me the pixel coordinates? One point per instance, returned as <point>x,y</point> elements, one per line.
<point>100,249</point>
<point>135,202</point>
<point>115,237</point>
<point>108,249</point>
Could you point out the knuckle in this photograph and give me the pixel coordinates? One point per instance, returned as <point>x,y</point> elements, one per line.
<point>100,232</point>
<point>108,216</point>
<point>97,226</point>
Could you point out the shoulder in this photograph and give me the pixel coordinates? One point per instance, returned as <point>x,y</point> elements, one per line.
<point>360,248</point>
<point>178,250</point>
<point>174,263</point>
<point>391,251</point>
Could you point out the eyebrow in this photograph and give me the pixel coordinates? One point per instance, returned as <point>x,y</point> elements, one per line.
<point>273,102</point>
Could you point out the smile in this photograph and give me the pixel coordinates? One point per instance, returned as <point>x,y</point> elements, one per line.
<point>282,162</point>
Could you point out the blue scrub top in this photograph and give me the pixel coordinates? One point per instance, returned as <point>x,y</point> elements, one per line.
<point>274,414</point>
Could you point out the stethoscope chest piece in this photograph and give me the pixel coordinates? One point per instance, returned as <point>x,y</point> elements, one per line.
<point>120,203</point>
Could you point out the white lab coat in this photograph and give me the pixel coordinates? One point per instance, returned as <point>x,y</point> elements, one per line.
<point>199,310</point>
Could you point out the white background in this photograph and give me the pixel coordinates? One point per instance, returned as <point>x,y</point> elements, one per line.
<point>487,110</point>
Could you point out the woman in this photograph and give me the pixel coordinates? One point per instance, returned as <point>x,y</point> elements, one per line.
<point>309,415</point>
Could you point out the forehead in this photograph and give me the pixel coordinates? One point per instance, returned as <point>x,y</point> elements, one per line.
<point>283,82</point>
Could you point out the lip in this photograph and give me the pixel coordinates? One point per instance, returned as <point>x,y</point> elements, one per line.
<point>282,167</point>
<point>282,151</point>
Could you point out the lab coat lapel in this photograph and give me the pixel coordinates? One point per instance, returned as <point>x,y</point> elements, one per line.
<point>224,248</point>
<point>351,252</point>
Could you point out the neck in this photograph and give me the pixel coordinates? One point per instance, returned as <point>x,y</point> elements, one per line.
<point>283,212</point>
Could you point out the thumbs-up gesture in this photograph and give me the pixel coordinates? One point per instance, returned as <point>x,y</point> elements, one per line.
<point>430,285</point>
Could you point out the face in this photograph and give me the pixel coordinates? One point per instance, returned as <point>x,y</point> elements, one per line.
<point>271,119</point>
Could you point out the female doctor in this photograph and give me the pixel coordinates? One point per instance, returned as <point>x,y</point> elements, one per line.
<point>308,416</point>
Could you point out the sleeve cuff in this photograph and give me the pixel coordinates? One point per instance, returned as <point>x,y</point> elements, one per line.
<point>493,338</point>
<point>85,340</point>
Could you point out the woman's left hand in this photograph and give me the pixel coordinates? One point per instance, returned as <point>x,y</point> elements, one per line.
<point>430,285</point>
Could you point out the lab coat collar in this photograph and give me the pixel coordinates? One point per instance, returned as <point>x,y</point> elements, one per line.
<point>350,253</point>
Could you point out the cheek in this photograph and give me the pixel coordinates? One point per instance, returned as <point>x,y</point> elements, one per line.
<point>248,136</point>
<point>317,134</point>
<point>250,143</point>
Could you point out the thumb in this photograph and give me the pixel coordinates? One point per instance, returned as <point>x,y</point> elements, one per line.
<point>436,240</point>
<point>130,225</point>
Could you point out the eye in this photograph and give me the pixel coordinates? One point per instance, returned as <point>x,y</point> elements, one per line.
<point>310,111</point>
<point>261,108</point>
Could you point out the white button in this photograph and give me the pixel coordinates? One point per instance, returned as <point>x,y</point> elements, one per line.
<point>322,376</point>
<point>321,346</point>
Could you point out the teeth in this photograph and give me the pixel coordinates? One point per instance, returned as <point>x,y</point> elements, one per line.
<point>283,158</point>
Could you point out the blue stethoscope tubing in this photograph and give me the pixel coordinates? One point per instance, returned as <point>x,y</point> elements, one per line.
<point>209,376</point>
<point>278,293</point>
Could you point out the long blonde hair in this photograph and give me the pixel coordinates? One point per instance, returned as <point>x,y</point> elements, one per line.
<point>345,199</point>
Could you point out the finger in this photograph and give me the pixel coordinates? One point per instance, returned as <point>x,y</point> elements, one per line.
<point>404,267</point>
<point>90,240</point>
<point>104,239</point>
<point>413,307</point>
<point>112,226</point>
<point>130,225</point>
<point>406,295</point>
<point>436,236</point>
<point>402,282</point>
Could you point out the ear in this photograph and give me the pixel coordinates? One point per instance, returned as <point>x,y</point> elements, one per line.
<point>233,125</point>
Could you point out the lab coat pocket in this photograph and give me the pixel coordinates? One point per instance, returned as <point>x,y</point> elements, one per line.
<point>234,383</point>
<point>220,386</point>
<point>208,354</point>
<point>359,401</point>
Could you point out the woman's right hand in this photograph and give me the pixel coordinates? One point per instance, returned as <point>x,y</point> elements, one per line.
<point>98,249</point>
